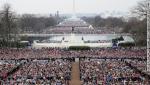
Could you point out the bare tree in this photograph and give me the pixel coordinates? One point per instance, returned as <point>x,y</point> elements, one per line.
<point>8,20</point>
<point>141,9</point>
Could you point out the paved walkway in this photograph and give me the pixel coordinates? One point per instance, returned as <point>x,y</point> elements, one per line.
<point>75,75</point>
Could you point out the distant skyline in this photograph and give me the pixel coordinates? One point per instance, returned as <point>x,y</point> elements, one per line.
<point>66,6</point>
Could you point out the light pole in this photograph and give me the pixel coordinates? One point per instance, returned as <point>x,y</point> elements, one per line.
<point>148,36</point>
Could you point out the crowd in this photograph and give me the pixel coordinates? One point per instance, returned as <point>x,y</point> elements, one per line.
<point>7,66</point>
<point>79,27</point>
<point>76,23</point>
<point>28,53</point>
<point>58,72</point>
<point>79,30</point>
<point>41,72</point>
<point>41,66</point>
<point>139,64</point>
<point>68,30</point>
<point>109,72</point>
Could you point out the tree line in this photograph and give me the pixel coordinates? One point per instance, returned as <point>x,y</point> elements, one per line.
<point>11,24</point>
<point>25,22</point>
<point>136,24</point>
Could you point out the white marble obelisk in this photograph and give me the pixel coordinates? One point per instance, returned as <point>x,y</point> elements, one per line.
<point>74,10</point>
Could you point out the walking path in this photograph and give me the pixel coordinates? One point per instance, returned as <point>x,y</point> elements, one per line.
<point>75,75</point>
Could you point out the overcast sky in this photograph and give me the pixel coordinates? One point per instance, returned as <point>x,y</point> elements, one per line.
<point>65,6</point>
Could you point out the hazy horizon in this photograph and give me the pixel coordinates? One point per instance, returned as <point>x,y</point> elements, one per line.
<point>104,7</point>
